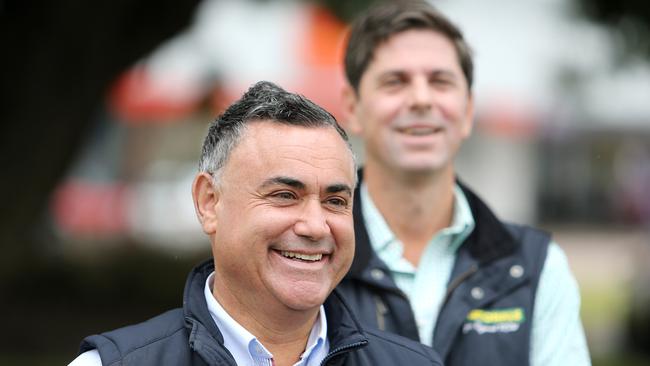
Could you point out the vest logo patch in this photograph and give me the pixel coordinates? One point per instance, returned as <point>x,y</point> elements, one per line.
<point>494,321</point>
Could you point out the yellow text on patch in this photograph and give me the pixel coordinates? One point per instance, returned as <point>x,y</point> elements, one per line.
<point>515,315</point>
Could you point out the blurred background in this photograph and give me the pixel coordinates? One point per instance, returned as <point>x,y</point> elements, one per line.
<point>105,104</point>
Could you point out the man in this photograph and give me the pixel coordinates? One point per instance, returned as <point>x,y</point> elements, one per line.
<point>433,263</point>
<point>274,195</point>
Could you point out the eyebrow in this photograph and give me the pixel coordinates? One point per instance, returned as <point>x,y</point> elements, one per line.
<point>286,181</point>
<point>444,72</point>
<point>401,73</point>
<point>336,188</point>
<point>295,183</point>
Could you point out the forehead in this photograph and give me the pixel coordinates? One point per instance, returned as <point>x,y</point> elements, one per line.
<point>415,47</point>
<point>279,137</point>
<point>270,148</point>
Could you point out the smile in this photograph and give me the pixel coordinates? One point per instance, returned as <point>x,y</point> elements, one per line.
<point>301,256</point>
<point>419,131</point>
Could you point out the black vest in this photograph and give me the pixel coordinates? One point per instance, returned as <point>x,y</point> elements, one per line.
<point>189,336</point>
<point>487,312</point>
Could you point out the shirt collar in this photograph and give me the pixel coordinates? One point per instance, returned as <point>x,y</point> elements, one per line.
<point>463,222</point>
<point>245,347</point>
<point>379,233</point>
<point>381,236</point>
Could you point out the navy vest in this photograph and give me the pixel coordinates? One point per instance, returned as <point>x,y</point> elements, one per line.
<point>487,312</point>
<point>189,336</point>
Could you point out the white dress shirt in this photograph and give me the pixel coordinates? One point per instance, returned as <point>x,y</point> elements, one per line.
<point>244,346</point>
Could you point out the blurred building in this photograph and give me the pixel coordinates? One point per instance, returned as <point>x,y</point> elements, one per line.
<point>561,135</point>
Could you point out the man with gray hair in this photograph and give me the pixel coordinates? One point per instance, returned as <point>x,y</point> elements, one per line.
<point>274,195</point>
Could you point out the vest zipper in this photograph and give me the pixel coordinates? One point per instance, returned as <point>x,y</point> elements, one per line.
<point>457,281</point>
<point>380,312</point>
<point>341,349</point>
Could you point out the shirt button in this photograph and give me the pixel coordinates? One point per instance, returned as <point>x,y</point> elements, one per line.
<point>516,271</point>
<point>377,274</point>
<point>477,293</point>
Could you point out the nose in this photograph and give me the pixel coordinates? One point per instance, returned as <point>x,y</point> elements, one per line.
<point>420,96</point>
<point>312,223</point>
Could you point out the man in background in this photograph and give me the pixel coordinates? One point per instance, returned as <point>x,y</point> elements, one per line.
<point>433,262</point>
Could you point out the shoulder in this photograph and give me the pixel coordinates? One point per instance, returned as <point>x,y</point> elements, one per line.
<point>533,243</point>
<point>119,343</point>
<point>556,258</point>
<point>557,280</point>
<point>393,349</point>
<point>149,331</point>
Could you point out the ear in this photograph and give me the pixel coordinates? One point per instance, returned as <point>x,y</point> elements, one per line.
<point>468,123</point>
<point>350,101</point>
<point>206,197</point>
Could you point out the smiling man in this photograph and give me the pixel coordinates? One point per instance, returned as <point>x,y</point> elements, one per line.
<point>433,262</point>
<point>274,194</point>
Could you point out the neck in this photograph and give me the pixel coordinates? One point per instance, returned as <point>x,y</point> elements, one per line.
<point>283,331</point>
<point>415,205</point>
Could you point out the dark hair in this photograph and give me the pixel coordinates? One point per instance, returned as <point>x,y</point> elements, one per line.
<point>264,101</point>
<point>386,19</point>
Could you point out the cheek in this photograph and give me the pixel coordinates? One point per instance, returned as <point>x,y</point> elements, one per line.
<point>379,111</point>
<point>386,109</point>
<point>463,121</point>
<point>245,225</point>
<point>454,108</point>
<point>269,223</point>
<point>343,231</point>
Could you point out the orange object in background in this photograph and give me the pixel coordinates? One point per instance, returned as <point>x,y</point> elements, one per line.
<point>323,43</point>
<point>509,117</point>
<point>137,98</point>
<point>321,53</point>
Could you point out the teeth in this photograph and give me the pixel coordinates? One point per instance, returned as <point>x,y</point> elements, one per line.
<point>305,257</point>
<point>418,131</point>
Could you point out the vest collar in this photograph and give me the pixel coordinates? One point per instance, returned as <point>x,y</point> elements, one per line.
<point>488,241</point>
<point>344,330</point>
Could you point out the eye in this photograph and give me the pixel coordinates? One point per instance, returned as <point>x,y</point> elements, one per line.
<point>393,81</point>
<point>442,82</point>
<point>337,202</point>
<point>284,195</point>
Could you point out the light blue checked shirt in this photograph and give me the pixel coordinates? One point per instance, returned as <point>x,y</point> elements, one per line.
<point>557,335</point>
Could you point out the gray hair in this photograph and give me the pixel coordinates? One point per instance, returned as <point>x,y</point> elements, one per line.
<point>264,101</point>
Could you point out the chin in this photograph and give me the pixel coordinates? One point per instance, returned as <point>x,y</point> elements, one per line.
<point>424,166</point>
<point>305,299</point>
<point>419,169</point>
